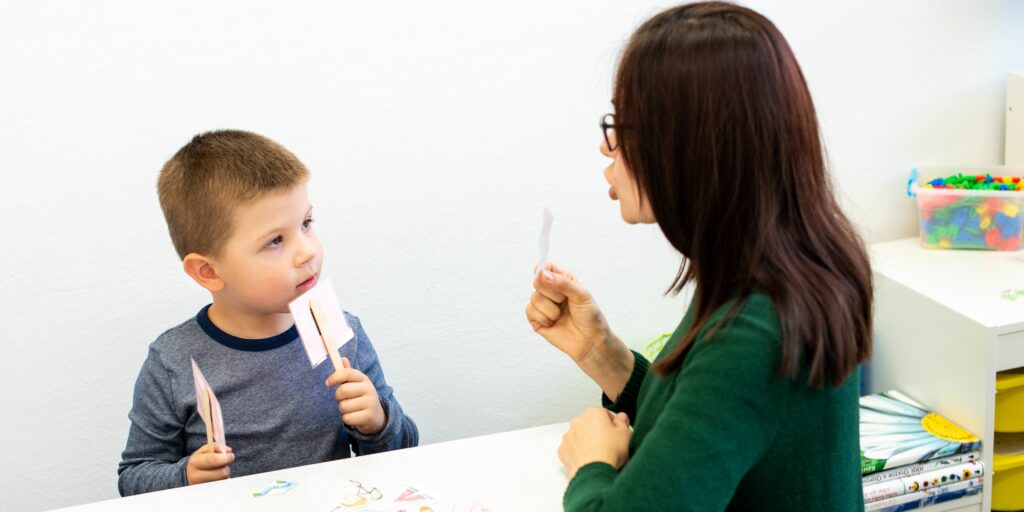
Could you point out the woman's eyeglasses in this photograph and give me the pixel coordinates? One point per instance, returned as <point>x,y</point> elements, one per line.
<point>608,125</point>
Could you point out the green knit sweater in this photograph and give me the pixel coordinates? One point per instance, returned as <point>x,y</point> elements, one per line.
<point>726,432</point>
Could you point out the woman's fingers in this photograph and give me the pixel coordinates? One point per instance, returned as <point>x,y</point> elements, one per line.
<point>547,307</point>
<point>543,286</point>
<point>537,319</point>
<point>554,267</point>
<point>560,285</point>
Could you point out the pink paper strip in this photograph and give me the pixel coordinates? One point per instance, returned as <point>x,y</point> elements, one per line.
<point>217,419</point>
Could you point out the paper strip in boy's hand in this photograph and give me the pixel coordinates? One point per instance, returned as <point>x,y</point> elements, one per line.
<point>321,324</point>
<point>209,409</point>
<point>545,240</point>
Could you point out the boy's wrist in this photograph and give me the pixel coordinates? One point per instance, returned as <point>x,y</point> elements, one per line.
<point>378,419</point>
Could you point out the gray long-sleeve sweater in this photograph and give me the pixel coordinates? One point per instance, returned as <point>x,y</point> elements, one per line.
<point>277,411</point>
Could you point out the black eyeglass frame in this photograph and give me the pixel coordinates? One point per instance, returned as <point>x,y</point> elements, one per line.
<point>605,126</point>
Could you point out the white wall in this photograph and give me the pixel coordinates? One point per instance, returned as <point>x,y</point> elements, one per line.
<point>436,133</point>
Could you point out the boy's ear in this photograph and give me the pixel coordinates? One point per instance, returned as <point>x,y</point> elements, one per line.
<point>201,270</point>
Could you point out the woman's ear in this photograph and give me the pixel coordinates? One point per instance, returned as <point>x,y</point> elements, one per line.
<point>200,268</point>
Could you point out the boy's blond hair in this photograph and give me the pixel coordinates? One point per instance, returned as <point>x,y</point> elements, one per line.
<point>203,183</point>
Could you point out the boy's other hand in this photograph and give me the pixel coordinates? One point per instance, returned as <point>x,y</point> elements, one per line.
<point>357,399</point>
<point>208,465</point>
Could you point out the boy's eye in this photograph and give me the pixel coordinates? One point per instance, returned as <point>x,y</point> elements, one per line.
<point>276,241</point>
<point>306,223</point>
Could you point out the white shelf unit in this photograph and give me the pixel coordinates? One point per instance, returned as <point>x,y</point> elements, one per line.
<point>943,330</point>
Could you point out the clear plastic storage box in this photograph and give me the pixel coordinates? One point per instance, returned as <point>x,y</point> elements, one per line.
<point>959,218</point>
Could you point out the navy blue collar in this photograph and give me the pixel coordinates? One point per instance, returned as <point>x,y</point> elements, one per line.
<point>252,345</point>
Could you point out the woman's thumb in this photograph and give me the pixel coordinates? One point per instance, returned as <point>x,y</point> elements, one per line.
<point>565,283</point>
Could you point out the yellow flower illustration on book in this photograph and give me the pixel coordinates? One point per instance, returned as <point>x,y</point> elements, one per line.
<point>896,431</point>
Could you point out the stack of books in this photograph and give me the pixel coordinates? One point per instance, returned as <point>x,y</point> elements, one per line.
<point>911,457</point>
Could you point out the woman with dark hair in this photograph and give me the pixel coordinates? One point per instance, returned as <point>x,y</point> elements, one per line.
<point>752,404</point>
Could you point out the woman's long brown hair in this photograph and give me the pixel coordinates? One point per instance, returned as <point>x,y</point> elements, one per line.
<point>716,122</point>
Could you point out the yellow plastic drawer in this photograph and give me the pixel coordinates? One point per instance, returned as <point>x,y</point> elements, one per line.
<point>1010,401</point>
<point>1008,472</point>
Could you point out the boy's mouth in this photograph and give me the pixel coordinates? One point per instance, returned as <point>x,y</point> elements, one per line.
<point>307,284</point>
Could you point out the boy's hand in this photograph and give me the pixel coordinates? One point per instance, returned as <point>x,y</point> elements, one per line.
<point>357,399</point>
<point>207,465</point>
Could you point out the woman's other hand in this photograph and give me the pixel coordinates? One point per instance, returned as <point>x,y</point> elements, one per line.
<point>597,435</point>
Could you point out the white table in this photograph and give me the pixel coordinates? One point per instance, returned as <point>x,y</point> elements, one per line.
<point>511,471</point>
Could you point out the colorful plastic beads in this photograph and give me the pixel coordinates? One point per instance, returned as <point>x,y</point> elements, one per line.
<point>977,182</point>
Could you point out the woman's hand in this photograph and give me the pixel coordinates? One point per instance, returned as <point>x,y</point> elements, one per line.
<point>597,435</point>
<point>563,312</point>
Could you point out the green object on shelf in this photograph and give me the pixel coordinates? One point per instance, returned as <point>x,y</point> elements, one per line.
<point>653,348</point>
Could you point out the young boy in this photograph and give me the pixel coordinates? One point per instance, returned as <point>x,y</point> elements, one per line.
<point>240,219</point>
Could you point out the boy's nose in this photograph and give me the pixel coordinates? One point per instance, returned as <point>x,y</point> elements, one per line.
<point>307,251</point>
